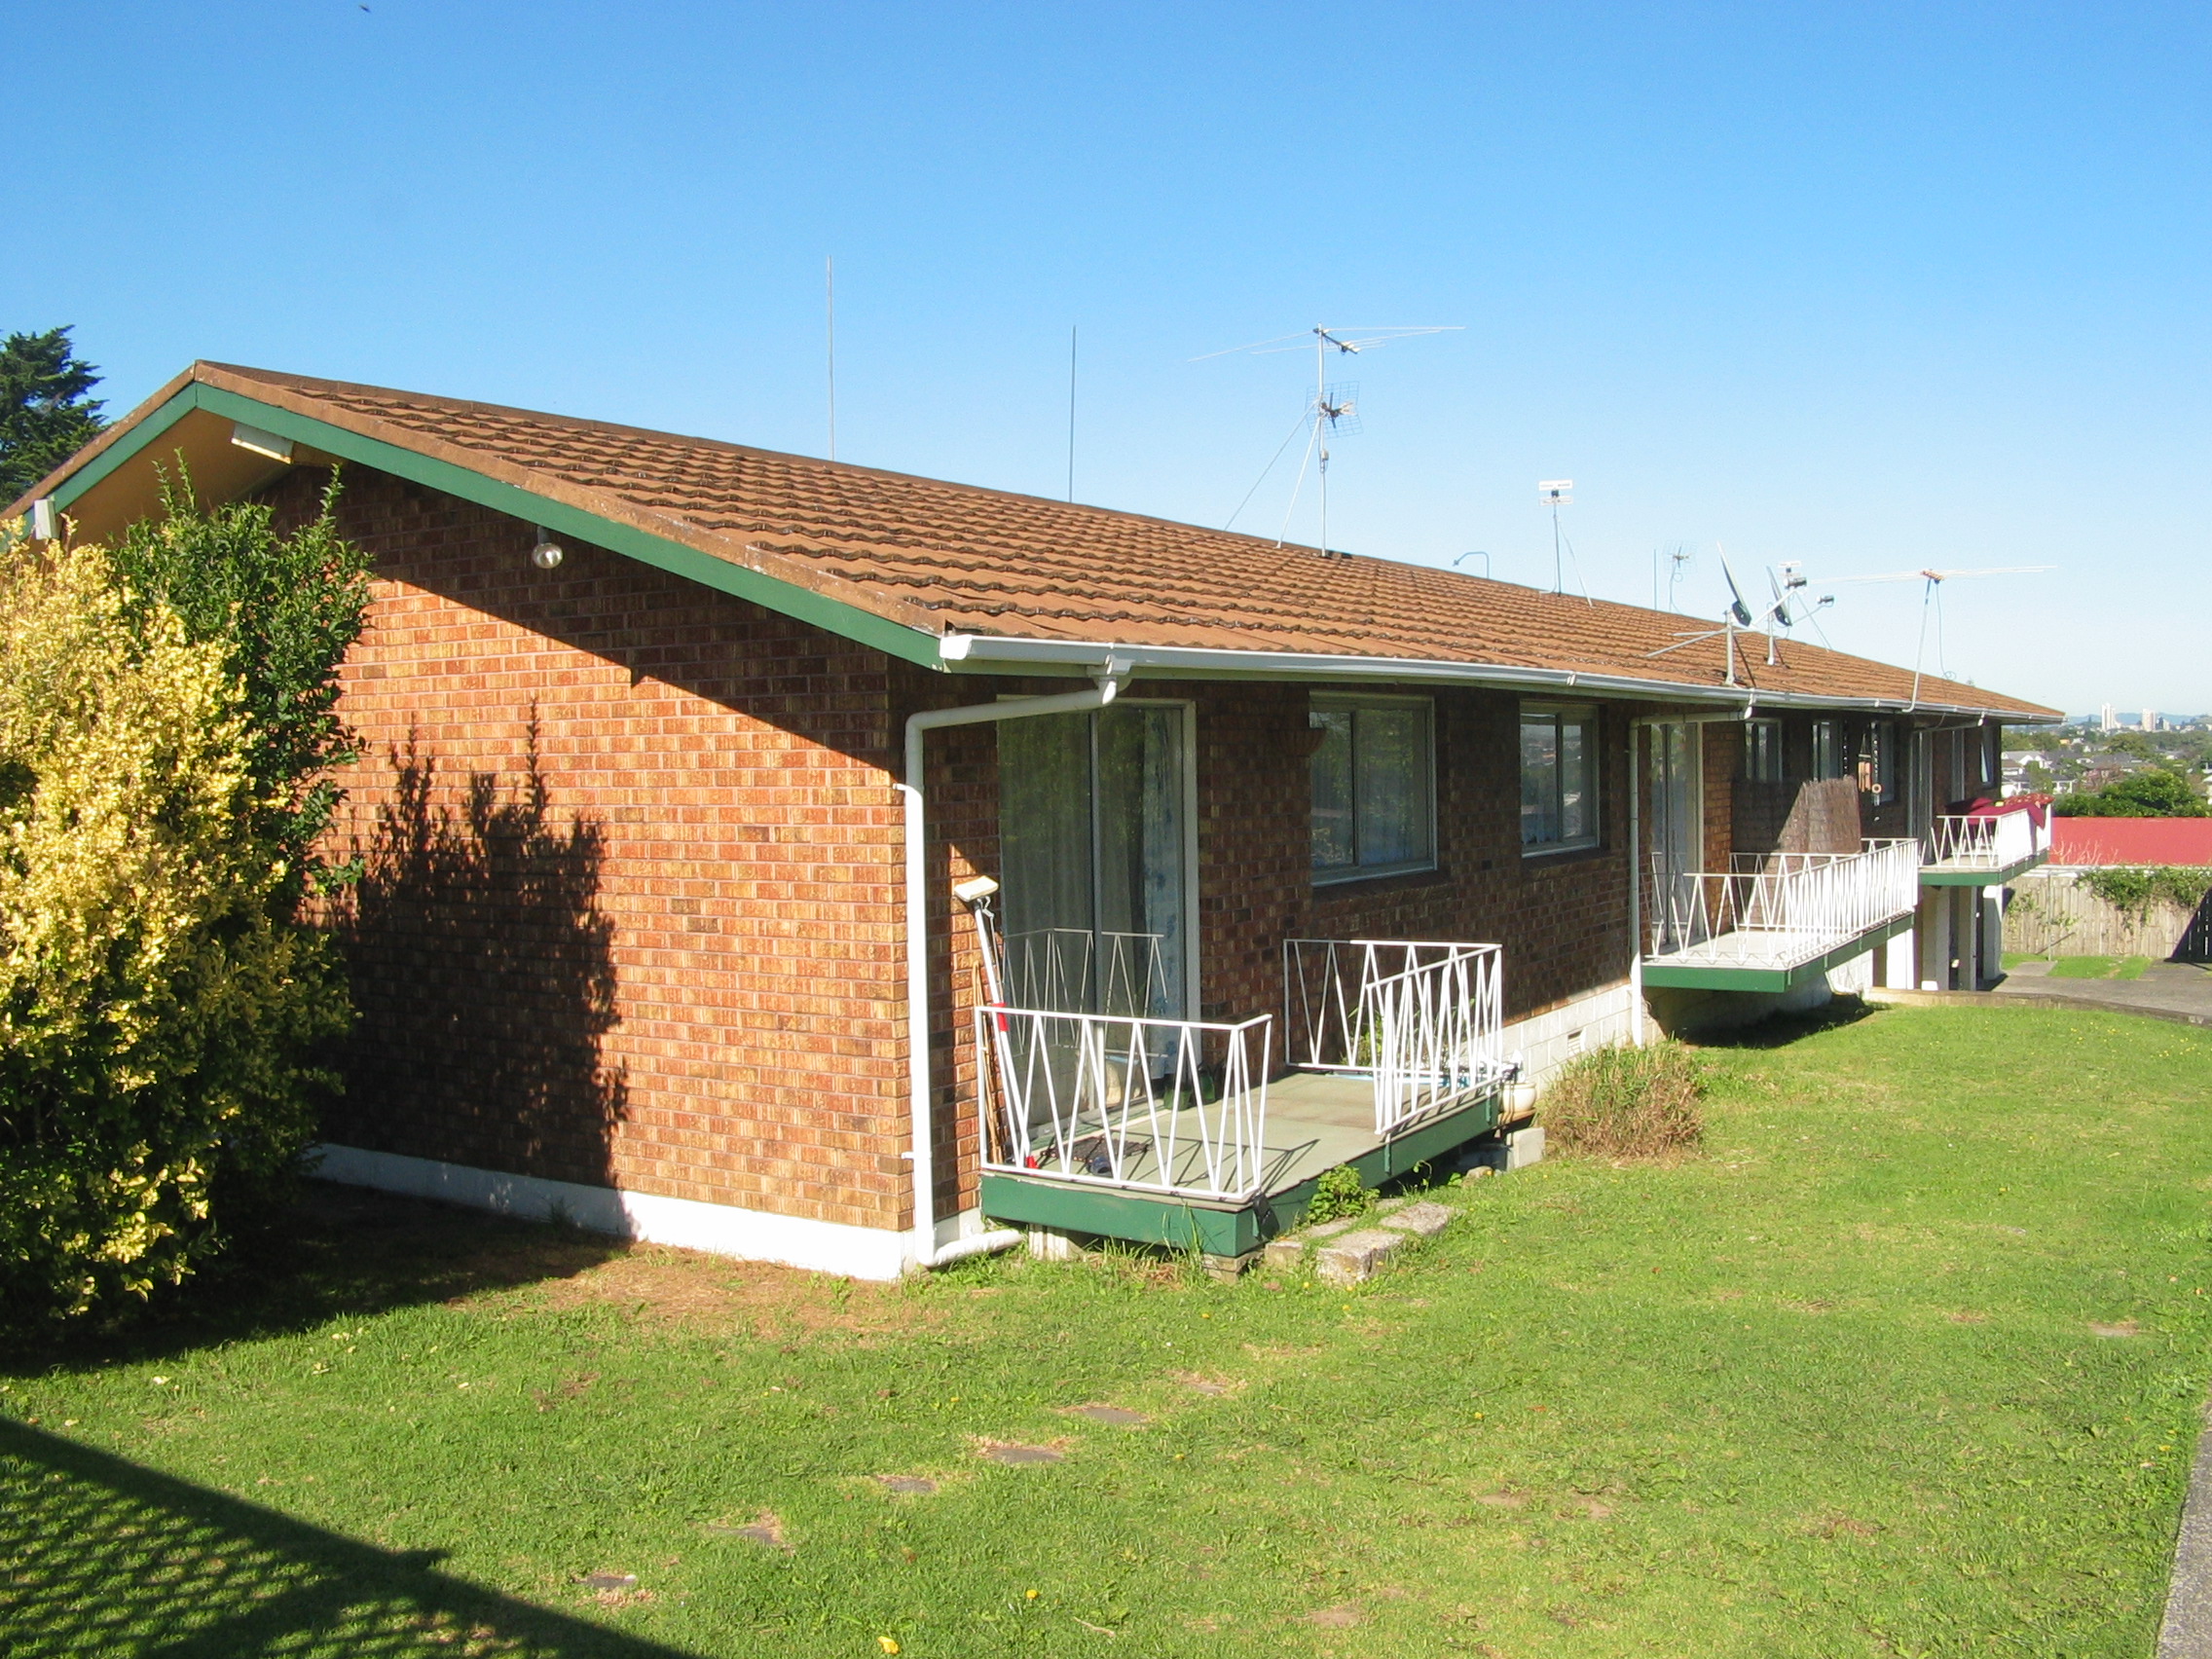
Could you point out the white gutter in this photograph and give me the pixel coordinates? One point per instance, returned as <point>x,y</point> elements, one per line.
<point>927,1253</point>
<point>990,653</point>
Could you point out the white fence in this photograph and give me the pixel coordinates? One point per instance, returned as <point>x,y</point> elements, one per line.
<point>1176,1106</point>
<point>1122,973</point>
<point>1995,841</point>
<point>1422,1019</point>
<point>1784,908</point>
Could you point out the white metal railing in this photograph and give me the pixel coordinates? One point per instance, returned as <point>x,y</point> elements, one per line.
<point>1422,1019</point>
<point>1986,841</point>
<point>1176,1106</point>
<point>1076,968</point>
<point>1778,907</point>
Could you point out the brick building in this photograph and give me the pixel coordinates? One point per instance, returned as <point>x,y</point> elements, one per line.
<point>1298,858</point>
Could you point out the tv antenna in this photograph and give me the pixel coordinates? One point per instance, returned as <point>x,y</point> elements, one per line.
<point>1333,412</point>
<point>1556,492</point>
<point>1932,605</point>
<point>1786,580</point>
<point>1738,615</point>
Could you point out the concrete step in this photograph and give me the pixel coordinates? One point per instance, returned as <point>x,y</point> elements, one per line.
<point>1350,1252</point>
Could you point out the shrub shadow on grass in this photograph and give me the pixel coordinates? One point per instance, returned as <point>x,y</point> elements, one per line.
<point>107,1556</point>
<point>1780,1030</point>
<point>339,1252</point>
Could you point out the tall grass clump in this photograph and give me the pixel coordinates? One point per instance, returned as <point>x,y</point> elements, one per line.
<point>1625,1103</point>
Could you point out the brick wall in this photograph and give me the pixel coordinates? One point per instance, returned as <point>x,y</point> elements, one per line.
<point>631,908</point>
<point>1563,919</point>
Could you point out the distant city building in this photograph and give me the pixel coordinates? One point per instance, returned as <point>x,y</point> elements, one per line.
<point>2107,721</point>
<point>2150,719</point>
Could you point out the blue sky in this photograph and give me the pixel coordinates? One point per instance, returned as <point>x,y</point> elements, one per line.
<point>1870,288</point>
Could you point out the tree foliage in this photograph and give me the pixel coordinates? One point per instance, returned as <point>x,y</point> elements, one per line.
<point>282,610</point>
<point>158,999</point>
<point>2155,792</point>
<point>47,410</point>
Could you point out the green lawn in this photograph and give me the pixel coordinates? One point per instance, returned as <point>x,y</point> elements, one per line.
<point>2099,967</point>
<point>2086,967</point>
<point>1907,1363</point>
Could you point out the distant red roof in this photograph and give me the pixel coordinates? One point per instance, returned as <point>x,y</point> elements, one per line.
<point>2131,840</point>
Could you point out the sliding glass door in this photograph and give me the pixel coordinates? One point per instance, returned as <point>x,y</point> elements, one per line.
<point>1095,861</point>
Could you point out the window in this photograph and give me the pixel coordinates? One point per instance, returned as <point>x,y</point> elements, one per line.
<point>1559,778</point>
<point>1827,748</point>
<point>1878,764</point>
<point>1763,751</point>
<point>1374,787</point>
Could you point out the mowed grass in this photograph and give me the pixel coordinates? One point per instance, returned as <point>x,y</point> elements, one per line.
<point>2099,967</point>
<point>1908,1361</point>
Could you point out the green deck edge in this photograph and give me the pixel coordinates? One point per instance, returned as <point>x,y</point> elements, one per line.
<point>1720,978</point>
<point>1217,1229</point>
<point>661,552</point>
<point>1932,876</point>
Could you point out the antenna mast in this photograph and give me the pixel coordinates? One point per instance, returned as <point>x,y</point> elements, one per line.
<point>1334,409</point>
<point>1328,412</point>
<point>1557,493</point>
<point>1931,599</point>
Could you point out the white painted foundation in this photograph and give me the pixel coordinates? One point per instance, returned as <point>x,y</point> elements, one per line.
<point>723,1229</point>
<point>1547,1041</point>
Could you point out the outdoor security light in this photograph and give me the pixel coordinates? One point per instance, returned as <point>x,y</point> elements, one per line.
<point>547,555</point>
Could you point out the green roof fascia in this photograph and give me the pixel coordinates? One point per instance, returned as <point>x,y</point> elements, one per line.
<point>1935,875</point>
<point>910,644</point>
<point>1713,978</point>
<point>125,447</point>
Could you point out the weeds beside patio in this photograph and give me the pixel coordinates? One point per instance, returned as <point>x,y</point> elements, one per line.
<point>1907,1359</point>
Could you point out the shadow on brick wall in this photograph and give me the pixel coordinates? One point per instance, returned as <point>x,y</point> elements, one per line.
<point>483,967</point>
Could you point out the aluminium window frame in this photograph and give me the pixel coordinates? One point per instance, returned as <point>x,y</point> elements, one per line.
<point>1771,730</point>
<point>1831,755</point>
<point>1588,715</point>
<point>1337,875</point>
<point>1879,758</point>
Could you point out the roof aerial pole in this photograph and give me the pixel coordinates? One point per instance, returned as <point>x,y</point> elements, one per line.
<point>1931,600</point>
<point>1334,410</point>
<point>1558,493</point>
<point>1321,405</point>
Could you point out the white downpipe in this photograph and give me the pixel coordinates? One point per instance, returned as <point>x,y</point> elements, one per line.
<point>1636,1013</point>
<point>927,1254</point>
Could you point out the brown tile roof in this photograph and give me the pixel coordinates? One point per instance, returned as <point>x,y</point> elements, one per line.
<point>954,559</point>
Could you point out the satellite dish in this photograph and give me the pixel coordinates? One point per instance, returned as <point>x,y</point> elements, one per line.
<point>1737,609</point>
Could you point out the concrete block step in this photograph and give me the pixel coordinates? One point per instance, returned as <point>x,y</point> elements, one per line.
<point>1350,1252</point>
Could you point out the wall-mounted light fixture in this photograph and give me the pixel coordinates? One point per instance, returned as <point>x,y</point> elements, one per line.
<point>253,438</point>
<point>547,555</point>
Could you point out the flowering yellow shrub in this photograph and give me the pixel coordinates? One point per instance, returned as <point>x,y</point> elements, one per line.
<point>156,1007</point>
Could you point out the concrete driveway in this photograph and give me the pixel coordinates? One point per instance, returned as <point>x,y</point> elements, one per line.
<point>2168,988</point>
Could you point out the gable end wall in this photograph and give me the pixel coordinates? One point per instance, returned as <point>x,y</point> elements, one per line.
<point>630,912</point>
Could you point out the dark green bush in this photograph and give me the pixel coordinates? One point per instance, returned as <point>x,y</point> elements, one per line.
<point>1339,1193</point>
